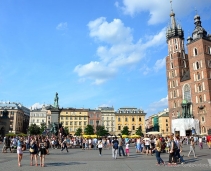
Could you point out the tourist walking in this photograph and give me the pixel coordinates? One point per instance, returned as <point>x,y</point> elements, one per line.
<point>115,144</point>
<point>127,150</point>
<point>121,149</point>
<point>138,145</point>
<point>172,149</point>
<point>200,143</point>
<point>33,149</point>
<point>64,145</point>
<point>42,152</point>
<point>147,144</point>
<point>19,150</point>
<point>157,150</point>
<point>100,146</point>
<point>192,148</point>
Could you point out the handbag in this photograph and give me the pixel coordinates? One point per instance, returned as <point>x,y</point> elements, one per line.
<point>31,150</point>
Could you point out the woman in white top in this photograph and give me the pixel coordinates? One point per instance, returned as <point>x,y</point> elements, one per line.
<point>100,146</point>
<point>200,143</point>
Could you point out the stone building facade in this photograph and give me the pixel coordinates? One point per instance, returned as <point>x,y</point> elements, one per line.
<point>18,114</point>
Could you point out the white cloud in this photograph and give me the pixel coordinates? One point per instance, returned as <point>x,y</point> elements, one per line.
<point>159,10</point>
<point>159,64</point>
<point>62,26</point>
<point>119,49</point>
<point>36,106</point>
<point>158,106</point>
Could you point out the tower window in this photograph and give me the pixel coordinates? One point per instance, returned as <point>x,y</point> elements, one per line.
<point>195,52</point>
<point>175,40</point>
<point>175,94</point>
<point>209,50</point>
<point>200,99</point>
<point>209,63</point>
<point>202,119</point>
<point>176,47</point>
<point>199,88</point>
<point>172,73</point>
<point>172,65</point>
<point>197,65</point>
<point>173,83</point>
<point>198,76</point>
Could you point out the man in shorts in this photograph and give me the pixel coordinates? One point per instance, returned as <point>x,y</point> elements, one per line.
<point>147,144</point>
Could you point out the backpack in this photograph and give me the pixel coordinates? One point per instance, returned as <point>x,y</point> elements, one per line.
<point>115,145</point>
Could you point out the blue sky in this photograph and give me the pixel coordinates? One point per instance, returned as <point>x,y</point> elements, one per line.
<point>92,52</point>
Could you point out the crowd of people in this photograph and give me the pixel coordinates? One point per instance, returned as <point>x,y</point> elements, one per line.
<point>38,146</point>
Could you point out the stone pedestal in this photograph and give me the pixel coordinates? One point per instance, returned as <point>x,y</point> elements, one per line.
<point>55,114</point>
<point>4,126</point>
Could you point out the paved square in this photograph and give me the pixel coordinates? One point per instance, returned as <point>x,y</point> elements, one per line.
<point>89,160</point>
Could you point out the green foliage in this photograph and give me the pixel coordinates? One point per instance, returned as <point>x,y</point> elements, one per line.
<point>125,130</point>
<point>78,132</point>
<point>101,131</point>
<point>42,127</point>
<point>89,130</point>
<point>34,129</point>
<point>139,131</point>
<point>66,131</point>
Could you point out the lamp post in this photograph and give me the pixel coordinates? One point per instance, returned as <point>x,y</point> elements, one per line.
<point>97,122</point>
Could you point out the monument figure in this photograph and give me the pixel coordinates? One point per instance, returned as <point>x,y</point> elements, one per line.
<point>54,129</point>
<point>56,101</point>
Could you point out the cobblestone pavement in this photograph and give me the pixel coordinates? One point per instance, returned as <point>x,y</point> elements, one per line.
<point>89,160</point>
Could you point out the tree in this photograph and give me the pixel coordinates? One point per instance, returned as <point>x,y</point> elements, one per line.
<point>125,130</point>
<point>101,131</point>
<point>78,132</point>
<point>34,129</point>
<point>66,131</point>
<point>139,131</point>
<point>42,127</point>
<point>89,130</point>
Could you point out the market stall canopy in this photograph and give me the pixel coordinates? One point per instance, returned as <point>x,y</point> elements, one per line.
<point>153,132</point>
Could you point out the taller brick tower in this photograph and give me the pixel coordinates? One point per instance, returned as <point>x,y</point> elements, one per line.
<point>189,79</point>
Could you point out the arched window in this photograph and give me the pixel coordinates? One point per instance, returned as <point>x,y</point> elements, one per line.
<point>203,129</point>
<point>171,57</point>
<point>199,88</point>
<point>172,73</point>
<point>198,76</point>
<point>200,99</point>
<point>175,104</point>
<point>197,65</point>
<point>173,83</point>
<point>186,93</point>
<point>172,65</point>
<point>202,119</point>
<point>195,52</point>
<point>174,93</point>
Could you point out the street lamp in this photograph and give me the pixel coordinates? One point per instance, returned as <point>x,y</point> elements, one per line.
<point>97,122</point>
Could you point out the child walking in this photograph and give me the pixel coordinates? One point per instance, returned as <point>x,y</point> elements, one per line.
<point>127,151</point>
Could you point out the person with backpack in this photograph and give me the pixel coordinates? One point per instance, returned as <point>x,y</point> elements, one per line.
<point>115,144</point>
<point>172,151</point>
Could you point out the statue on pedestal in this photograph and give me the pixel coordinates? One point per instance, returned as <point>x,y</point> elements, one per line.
<point>54,129</point>
<point>56,101</point>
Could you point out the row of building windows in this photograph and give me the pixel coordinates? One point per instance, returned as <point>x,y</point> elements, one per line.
<point>38,114</point>
<point>207,50</point>
<point>38,121</point>
<point>76,118</point>
<point>133,127</point>
<point>108,118</point>
<point>75,123</point>
<point>126,119</point>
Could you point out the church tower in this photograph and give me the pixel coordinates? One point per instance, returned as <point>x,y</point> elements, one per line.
<point>189,79</point>
<point>199,52</point>
<point>177,66</point>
